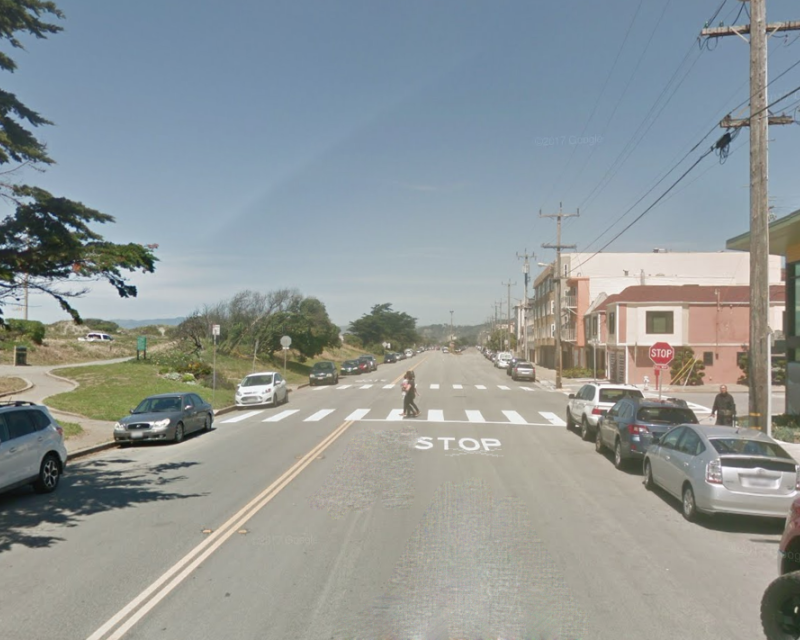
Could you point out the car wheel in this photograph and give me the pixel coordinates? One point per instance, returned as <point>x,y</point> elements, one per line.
<point>570,421</point>
<point>49,475</point>
<point>689,505</point>
<point>207,424</point>
<point>780,608</point>
<point>286,397</point>
<point>648,476</point>
<point>598,442</point>
<point>585,433</point>
<point>179,433</point>
<point>619,461</point>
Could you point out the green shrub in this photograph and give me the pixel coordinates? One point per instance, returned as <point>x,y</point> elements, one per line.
<point>179,362</point>
<point>32,329</point>
<point>577,372</point>
<point>103,326</point>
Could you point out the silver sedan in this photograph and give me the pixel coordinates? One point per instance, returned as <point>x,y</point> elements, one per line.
<point>723,470</point>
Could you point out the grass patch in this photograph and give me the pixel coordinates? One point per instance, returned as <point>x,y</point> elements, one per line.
<point>66,351</point>
<point>109,392</point>
<point>11,384</point>
<point>71,429</point>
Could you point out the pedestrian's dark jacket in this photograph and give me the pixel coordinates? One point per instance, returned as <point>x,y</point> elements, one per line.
<point>724,402</point>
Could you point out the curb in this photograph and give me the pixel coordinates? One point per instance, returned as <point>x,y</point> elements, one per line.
<point>80,453</point>
<point>12,393</point>
<point>225,410</point>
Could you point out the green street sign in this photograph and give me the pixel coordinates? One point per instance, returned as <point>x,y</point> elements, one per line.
<point>141,343</point>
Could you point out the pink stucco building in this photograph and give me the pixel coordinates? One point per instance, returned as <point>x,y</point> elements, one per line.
<point>712,320</point>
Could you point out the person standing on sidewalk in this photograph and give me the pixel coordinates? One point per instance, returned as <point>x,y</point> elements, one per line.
<point>724,407</point>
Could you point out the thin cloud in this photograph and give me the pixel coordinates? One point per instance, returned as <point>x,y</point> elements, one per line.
<point>430,188</point>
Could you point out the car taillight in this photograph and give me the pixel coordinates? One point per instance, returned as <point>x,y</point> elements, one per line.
<point>636,429</point>
<point>597,411</point>
<point>714,472</point>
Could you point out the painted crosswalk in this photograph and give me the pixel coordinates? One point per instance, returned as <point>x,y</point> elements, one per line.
<point>463,416</point>
<point>480,387</point>
<point>434,386</point>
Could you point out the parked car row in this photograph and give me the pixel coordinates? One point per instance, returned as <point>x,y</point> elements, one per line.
<point>515,368</point>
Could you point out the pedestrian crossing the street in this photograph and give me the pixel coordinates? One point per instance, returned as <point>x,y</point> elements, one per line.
<point>465,416</point>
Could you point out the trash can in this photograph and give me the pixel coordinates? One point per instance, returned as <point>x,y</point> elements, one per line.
<point>20,356</point>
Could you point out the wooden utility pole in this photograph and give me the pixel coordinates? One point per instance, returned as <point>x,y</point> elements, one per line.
<point>526,269</point>
<point>509,284</point>
<point>759,121</point>
<point>558,278</point>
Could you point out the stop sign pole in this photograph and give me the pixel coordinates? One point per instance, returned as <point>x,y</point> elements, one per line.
<point>661,353</point>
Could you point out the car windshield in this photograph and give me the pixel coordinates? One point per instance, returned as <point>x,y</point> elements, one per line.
<point>667,415</point>
<point>524,365</point>
<point>614,395</point>
<point>322,366</point>
<point>349,363</point>
<point>749,447</point>
<point>257,380</point>
<point>159,405</point>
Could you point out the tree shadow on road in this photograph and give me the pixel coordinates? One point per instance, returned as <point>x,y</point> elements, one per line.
<point>93,487</point>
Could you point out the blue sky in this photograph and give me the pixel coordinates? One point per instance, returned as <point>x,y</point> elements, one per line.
<point>370,151</point>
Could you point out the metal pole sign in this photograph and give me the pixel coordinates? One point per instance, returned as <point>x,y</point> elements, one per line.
<point>215,330</point>
<point>286,342</point>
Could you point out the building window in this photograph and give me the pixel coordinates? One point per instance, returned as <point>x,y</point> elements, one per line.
<point>708,358</point>
<point>659,322</point>
<point>552,331</point>
<point>612,323</point>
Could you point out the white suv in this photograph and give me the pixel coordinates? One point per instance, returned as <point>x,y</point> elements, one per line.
<point>32,447</point>
<point>503,360</point>
<point>586,407</point>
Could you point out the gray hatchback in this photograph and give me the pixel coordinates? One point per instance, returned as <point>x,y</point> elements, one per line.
<point>168,416</point>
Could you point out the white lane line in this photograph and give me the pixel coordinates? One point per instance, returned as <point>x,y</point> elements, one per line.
<point>457,386</point>
<point>553,418</point>
<point>395,414</point>
<point>357,414</point>
<point>475,416</point>
<point>388,386</point>
<point>503,387</point>
<point>319,415</point>
<point>344,386</point>
<point>434,386</point>
<point>366,386</point>
<point>514,417</point>
<point>280,416</point>
<point>480,386</point>
<point>435,415</point>
<point>241,417</point>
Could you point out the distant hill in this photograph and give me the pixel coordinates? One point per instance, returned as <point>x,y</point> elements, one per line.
<point>438,333</point>
<point>133,324</point>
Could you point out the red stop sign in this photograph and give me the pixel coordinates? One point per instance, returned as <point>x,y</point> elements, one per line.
<point>661,353</point>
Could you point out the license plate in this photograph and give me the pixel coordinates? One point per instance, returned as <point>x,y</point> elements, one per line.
<point>136,436</point>
<point>760,482</point>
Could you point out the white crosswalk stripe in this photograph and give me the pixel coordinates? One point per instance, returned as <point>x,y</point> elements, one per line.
<point>475,416</point>
<point>434,386</point>
<point>344,386</point>
<point>388,386</point>
<point>514,417</point>
<point>395,414</point>
<point>243,416</point>
<point>553,418</point>
<point>358,414</point>
<point>280,416</point>
<point>435,415</point>
<point>503,387</point>
<point>320,388</point>
<point>458,386</point>
<point>526,388</point>
<point>366,386</point>
<point>319,415</point>
<point>480,386</point>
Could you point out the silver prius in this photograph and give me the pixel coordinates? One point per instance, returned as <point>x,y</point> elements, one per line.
<point>723,470</point>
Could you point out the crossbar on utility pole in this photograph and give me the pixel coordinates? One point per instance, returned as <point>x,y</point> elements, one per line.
<point>759,121</point>
<point>558,278</point>
<point>526,269</point>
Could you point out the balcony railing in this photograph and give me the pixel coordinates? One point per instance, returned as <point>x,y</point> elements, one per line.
<point>570,301</point>
<point>568,334</point>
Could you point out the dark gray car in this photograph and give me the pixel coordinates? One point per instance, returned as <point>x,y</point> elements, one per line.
<point>629,427</point>
<point>168,416</point>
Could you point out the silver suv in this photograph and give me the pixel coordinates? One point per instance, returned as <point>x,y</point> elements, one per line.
<point>586,407</point>
<point>32,447</point>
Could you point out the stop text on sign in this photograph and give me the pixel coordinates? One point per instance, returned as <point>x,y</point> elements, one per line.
<point>454,444</point>
<point>661,353</point>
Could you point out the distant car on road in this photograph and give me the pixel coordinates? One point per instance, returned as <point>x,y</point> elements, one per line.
<point>389,358</point>
<point>715,469</point>
<point>523,371</point>
<point>96,337</point>
<point>630,426</point>
<point>350,367</point>
<point>371,361</point>
<point>445,350</point>
<point>167,416</point>
<point>32,447</point>
<point>266,387</point>
<point>323,372</point>
<point>585,407</point>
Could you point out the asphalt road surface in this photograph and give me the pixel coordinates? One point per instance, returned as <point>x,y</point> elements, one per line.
<point>333,518</point>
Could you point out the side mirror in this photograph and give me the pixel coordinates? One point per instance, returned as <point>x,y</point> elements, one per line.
<point>188,407</point>
<point>656,438</point>
<point>131,411</point>
<point>571,396</point>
